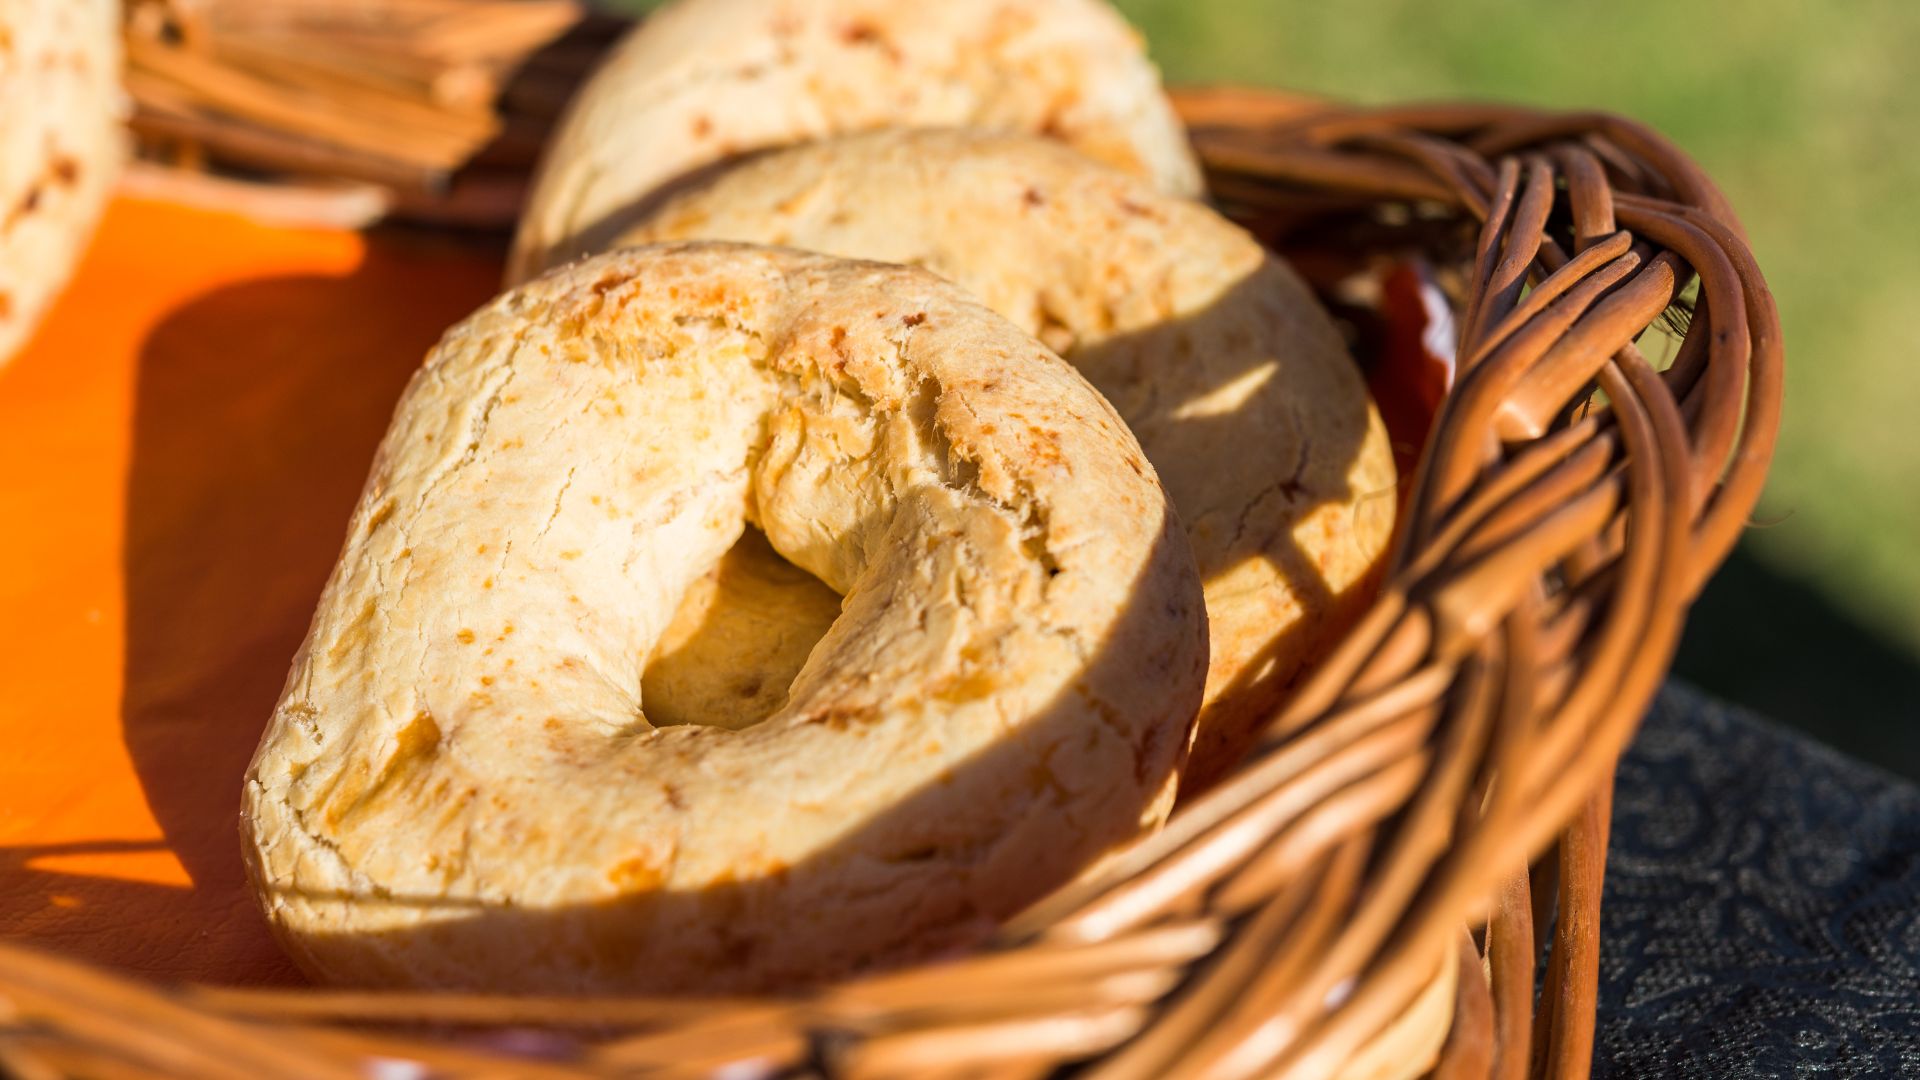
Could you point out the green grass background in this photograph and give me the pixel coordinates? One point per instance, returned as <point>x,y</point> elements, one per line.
<point>1808,113</point>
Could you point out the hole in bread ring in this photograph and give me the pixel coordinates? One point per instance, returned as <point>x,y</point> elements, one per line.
<point>741,634</point>
<point>460,786</point>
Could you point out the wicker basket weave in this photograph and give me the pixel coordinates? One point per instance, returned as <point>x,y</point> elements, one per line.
<point>1361,887</point>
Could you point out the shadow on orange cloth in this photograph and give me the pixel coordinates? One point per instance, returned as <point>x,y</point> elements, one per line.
<point>179,450</point>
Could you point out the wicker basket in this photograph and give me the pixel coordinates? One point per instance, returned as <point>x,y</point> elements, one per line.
<point>1368,890</point>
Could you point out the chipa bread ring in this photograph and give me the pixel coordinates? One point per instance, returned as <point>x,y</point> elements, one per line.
<point>460,785</point>
<point>1228,371</point>
<point>703,80</point>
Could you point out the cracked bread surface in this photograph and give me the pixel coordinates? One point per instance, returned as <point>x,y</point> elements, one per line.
<point>60,147</point>
<point>701,81</point>
<point>461,787</point>
<point>1226,368</point>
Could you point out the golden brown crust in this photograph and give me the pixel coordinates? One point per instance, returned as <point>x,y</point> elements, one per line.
<point>704,80</point>
<point>460,785</point>
<point>59,147</point>
<point>1235,381</point>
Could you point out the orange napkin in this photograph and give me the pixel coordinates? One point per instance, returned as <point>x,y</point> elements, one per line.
<point>179,450</point>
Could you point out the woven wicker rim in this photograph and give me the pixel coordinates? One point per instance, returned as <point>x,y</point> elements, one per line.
<point>1385,824</point>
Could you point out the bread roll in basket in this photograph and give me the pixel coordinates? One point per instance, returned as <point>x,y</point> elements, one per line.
<point>461,786</point>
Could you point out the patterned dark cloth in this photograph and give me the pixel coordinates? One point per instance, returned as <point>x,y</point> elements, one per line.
<point>1762,909</point>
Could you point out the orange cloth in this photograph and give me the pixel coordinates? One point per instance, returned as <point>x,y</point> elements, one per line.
<point>179,449</point>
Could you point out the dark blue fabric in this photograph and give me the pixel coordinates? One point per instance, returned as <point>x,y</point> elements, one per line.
<point>1762,908</point>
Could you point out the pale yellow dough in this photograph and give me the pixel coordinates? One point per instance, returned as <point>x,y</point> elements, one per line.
<point>60,147</point>
<point>1226,368</point>
<point>700,81</point>
<point>461,785</point>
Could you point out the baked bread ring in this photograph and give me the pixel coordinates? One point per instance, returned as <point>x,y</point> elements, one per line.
<point>703,80</point>
<point>460,785</point>
<point>1226,368</point>
<point>59,147</point>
